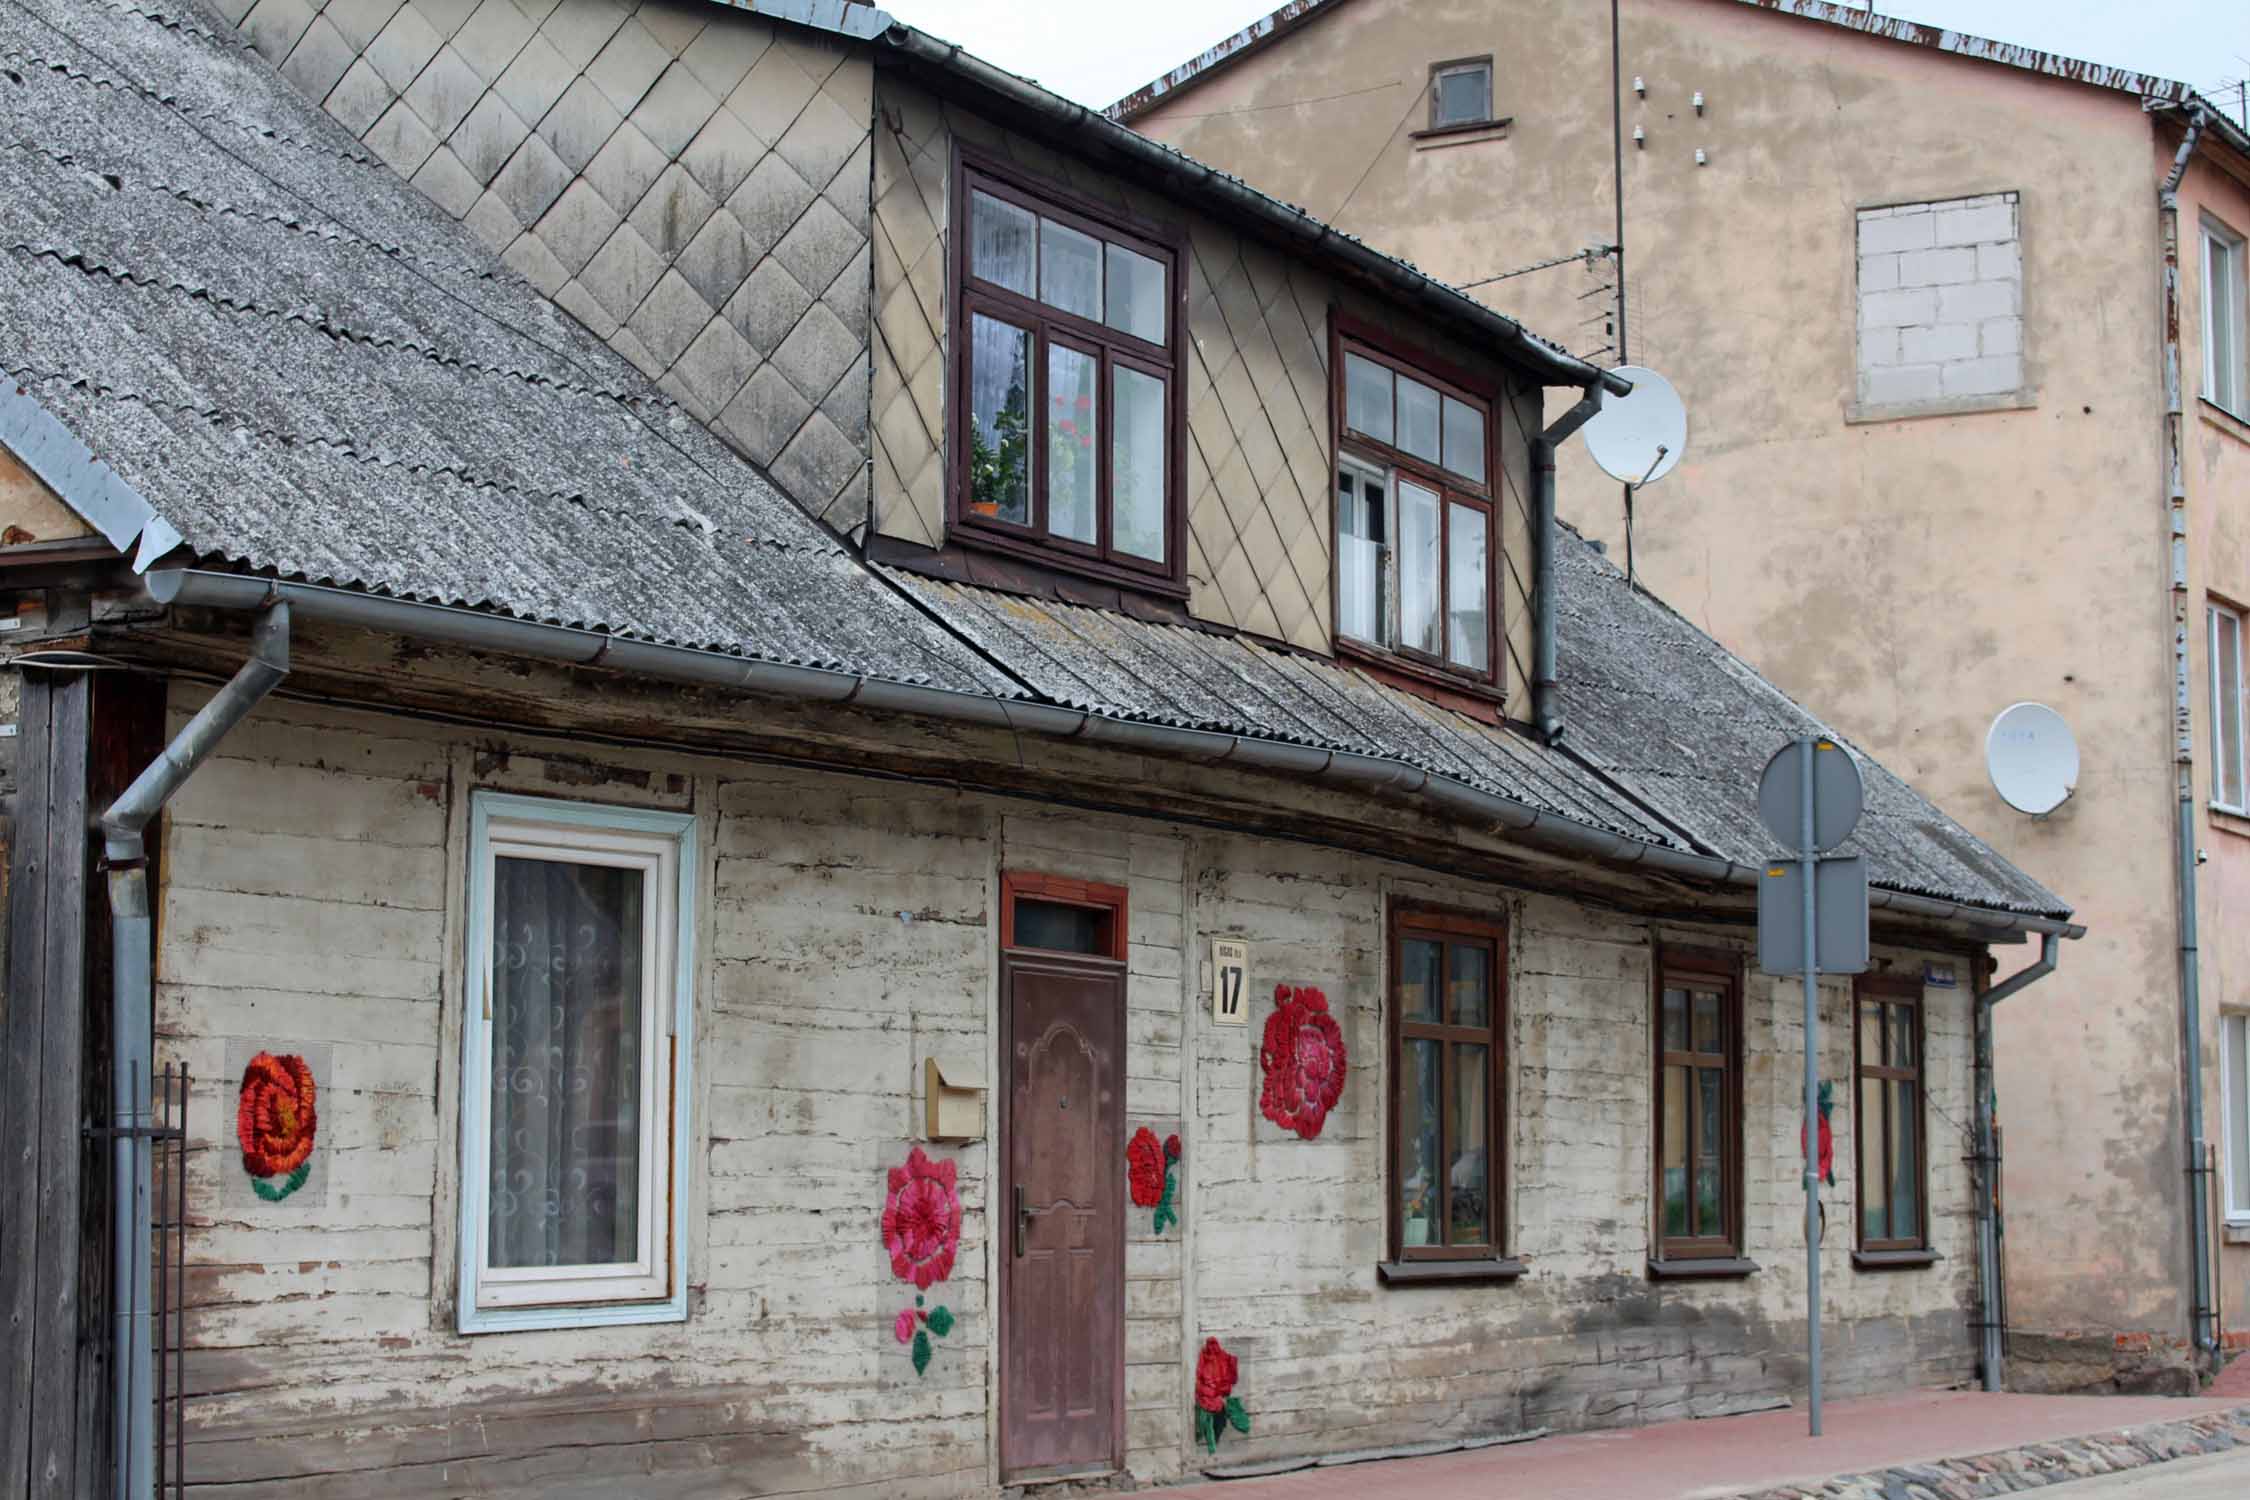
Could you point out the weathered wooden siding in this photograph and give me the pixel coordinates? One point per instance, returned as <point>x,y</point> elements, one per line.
<point>311,901</point>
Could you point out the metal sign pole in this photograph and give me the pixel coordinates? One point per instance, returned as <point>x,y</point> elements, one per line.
<point>1808,859</point>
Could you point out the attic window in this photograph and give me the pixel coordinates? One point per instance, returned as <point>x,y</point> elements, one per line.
<point>1461,93</point>
<point>1067,409</point>
<point>1416,546</point>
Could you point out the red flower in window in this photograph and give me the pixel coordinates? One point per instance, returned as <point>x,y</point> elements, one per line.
<point>275,1120</point>
<point>922,1220</point>
<point>1144,1161</point>
<point>1303,1058</point>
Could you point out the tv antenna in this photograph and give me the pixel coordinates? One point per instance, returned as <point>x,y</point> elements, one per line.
<point>1639,438</point>
<point>2032,758</point>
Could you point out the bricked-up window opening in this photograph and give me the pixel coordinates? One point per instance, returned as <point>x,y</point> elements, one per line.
<point>2227,755</point>
<point>1698,1106</point>
<point>580,922</point>
<point>1447,1086</point>
<point>2234,1102</point>
<point>1941,304</point>
<point>1893,1154</point>
<point>1067,412</point>
<point>1416,564</point>
<point>2226,351</point>
<point>1461,93</point>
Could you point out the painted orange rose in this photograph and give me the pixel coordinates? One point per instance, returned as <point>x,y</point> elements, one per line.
<point>275,1119</point>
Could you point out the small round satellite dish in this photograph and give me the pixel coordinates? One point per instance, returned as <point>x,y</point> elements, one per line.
<point>2032,758</point>
<point>1639,438</point>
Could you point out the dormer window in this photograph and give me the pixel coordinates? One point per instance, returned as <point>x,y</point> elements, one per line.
<point>1066,404</point>
<point>1415,532</point>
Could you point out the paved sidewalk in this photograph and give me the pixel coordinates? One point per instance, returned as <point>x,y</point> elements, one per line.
<point>1729,1456</point>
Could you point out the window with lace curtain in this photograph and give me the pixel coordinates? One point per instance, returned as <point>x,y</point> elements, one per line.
<point>575,1059</point>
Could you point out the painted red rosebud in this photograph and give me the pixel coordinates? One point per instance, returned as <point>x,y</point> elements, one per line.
<point>1144,1163</point>
<point>1303,1057</point>
<point>1171,1148</point>
<point>275,1119</point>
<point>922,1220</point>
<point>1215,1370</point>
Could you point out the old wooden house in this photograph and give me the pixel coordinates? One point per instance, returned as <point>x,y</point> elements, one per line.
<point>980,833</point>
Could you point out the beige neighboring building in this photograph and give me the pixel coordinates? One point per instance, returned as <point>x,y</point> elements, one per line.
<point>1914,289</point>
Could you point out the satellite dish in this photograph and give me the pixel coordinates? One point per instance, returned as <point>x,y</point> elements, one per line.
<point>1639,438</point>
<point>2032,758</point>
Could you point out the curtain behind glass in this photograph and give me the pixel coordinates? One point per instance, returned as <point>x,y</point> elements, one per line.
<point>566,1066</point>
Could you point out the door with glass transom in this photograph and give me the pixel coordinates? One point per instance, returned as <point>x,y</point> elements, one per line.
<point>1060,1214</point>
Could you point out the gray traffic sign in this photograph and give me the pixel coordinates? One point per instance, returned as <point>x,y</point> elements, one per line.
<point>1839,916</point>
<point>1837,794</point>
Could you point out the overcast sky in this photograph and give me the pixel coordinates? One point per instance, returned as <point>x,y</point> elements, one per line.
<point>1095,52</point>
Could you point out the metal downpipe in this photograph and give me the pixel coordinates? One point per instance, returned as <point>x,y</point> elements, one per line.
<point>2202,1325</point>
<point>1545,715</point>
<point>1987,1150</point>
<point>132,1042</point>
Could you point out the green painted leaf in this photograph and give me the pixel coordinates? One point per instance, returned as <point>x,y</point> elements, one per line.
<point>941,1320</point>
<point>1166,1214</point>
<point>1207,1430</point>
<point>265,1187</point>
<point>1238,1415</point>
<point>921,1351</point>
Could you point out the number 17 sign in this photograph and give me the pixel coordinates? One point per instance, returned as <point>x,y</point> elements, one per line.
<point>1230,966</point>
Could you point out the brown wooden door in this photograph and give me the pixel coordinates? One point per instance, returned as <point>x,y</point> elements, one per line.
<point>1062,1216</point>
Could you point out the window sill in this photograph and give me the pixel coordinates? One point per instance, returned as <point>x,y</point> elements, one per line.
<point>2238,1232</point>
<point>968,534</point>
<point>1859,415</point>
<point>1479,700</point>
<point>1448,1272</point>
<point>1894,1260</point>
<point>2231,422</point>
<point>1715,1268</point>
<point>1463,134</point>
<point>2230,819</point>
<point>588,1315</point>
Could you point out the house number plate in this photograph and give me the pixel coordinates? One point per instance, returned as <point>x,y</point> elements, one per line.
<point>1230,969</point>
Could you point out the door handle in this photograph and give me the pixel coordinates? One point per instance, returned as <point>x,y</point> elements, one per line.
<point>1023,1218</point>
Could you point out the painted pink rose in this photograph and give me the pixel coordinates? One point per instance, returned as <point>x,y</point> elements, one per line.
<point>903,1326</point>
<point>922,1220</point>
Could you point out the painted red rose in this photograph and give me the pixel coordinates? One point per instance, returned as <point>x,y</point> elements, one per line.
<point>275,1119</point>
<point>1171,1148</point>
<point>922,1220</point>
<point>1215,1370</point>
<point>1303,1058</point>
<point>1144,1162</point>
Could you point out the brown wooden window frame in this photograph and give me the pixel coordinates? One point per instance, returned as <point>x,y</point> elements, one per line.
<point>1349,336</point>
<point>1439,70</point>
<point>1485,1260</point>
<point>1699,1254</point>
<point>1905,992</point>
<point>1062,890</point>
<point>980,172</point>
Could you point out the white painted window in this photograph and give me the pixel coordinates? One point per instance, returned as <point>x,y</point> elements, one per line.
<point>2226,707</point>
<point>1461,93</point>
<point>2234,1100</point>
<point>1941,303</point>
<point>576,1053</point>
<point>2226,360</point>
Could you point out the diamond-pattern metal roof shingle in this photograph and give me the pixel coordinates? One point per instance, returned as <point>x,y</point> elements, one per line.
<point>305,367</point>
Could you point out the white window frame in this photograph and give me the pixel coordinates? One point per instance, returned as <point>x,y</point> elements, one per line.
<point>652,1288</point>
<point>2224,757</point>
<point>1442,71</point>
<point>2226,384</point>
<point>2234,1156</point>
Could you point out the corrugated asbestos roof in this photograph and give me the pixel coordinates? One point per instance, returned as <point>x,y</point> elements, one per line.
<point>1106,663</point>
<point>1665,711</point>
<point>305,367</point>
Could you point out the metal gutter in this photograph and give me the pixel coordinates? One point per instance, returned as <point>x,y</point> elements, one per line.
<point>586,648</point>
<point>1287,223</point>
<point>2203,1330</point>
<point>1545,716</point>
<point>132,1040</point>
<point>1993,1329</point>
